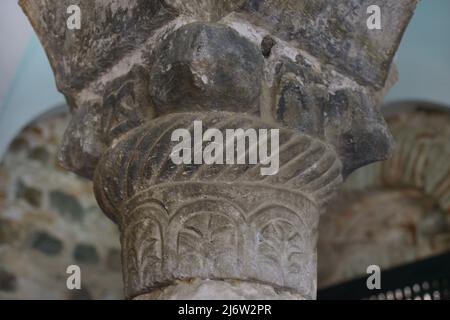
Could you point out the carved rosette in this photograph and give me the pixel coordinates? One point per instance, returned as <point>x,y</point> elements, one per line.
<point>180,222</point>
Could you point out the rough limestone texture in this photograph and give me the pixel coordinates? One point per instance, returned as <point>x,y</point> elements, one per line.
<point>213,289</point>
<point>217,221</point>
<point>395,212</point>
<point>49,220</point>
<point>137,70</point>
<point>198,62</point>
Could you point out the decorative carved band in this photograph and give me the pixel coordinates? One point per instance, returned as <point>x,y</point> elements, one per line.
<point>215,221</point>
<point>141,159</point>
<point>219,231</point>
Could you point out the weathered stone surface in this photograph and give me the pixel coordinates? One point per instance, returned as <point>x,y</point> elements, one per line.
<point>314,102</point>
<point>310,69</point>
<point>86,253</point>
<point>37,275</point>
<point>67,205</point>
<point>395,212</point>
<point>8,281</point>
<point>8,231</point>
<point>266,46</point>
<point>329,42</point>
<point>206,67</point>
<point>83,142</point>
<point>211,289</point>
<point>206,10</point>
<point>46,243</point>
<point>110,30</point>
<point>113,260</point>
<point>205,228</point>
<point>336,32</point>
<point>300,107</point>
<point>40,154</point>
<point>82,294</point>
<point>18,144</point>
<point>29,194</point>
<point>358,133</point>
<point>126,105</point>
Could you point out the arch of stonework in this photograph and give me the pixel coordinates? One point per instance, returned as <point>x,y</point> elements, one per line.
<point>397,211</point>
<point>49,220</point>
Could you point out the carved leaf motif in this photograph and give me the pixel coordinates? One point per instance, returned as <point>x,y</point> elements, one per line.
<point>144,245</point>
<point>280,245</point>
<point>207,237</point>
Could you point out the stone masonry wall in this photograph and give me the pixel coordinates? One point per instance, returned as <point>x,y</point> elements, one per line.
<point>49,220</point>
<point>394,212</point>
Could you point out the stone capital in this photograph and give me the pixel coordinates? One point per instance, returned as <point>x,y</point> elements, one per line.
<point>138,70</point>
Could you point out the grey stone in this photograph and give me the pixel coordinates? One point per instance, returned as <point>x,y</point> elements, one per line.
<point>66,205</point>
<point>40,154</point>
<point>127,105</point>
<point>38,275</point>
<point>79,56</point>
<point>29,194</point>
<point>18,144</point>
<point>266,46</point>
<point>308,68</point>
<point>336,32</point>
<point>228,290</point>
<point>206,10</point>
<point>206,66</point>
<point>192,222</point>
<point>8,281</point>
<point>86,253</point>
<point>113,260</point>
<point>83,142</point>
<point>359,134</point>
<point>346,118</point>
<point>300,107</point>
<point>333,33</point>
<point>82,294</point>
<point>10,231</point>
<point>46,243</point>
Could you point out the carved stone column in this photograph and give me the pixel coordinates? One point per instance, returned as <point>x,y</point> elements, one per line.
<point>138,70</point>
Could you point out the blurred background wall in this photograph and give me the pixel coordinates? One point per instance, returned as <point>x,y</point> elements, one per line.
<point>50,220</point>
<point>395,212</point>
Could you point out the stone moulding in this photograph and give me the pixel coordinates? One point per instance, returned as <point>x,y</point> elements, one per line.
<point>216,221</point>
